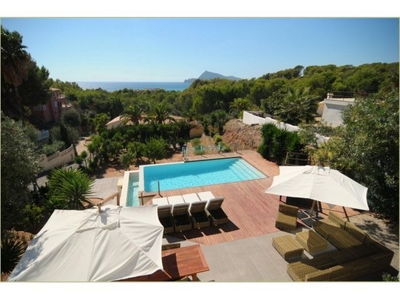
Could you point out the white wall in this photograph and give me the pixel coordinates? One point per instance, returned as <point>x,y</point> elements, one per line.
<point>250,119</point>
<point>57,159</point>
<point>333,110</point>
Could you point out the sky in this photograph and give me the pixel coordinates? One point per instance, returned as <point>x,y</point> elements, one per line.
<point>175,48</point>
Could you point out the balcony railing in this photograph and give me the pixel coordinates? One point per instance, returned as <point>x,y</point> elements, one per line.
<point>44,134</point>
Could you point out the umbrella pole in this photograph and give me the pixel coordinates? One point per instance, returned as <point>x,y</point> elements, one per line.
<point>165,272</point>
<point>345,212</point>
<point>312,209</point>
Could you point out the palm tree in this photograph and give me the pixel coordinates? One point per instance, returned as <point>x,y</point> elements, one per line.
<point>72,187</point>
<point>161,114</point>
<point>297,106</point>
<point>241,104</point>
<point>133,113</point>
<point>14,63</point>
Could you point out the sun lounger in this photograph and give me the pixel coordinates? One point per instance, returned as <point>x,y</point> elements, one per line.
<point>199,214</point>
<point>205,196</point>
<point>175,200</point>
<point>190,198</point>
<point>215,211</point>
<point>160,201</point>
<point>165,217</point>
<point>181,215</point>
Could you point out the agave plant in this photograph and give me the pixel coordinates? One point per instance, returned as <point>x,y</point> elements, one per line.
<point>72,187</point>
<point>11,252</point>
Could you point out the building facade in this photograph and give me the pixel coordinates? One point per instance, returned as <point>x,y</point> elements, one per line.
<point>51,111</point>
<point>333,109</point>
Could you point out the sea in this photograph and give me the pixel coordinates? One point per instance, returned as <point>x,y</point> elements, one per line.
<point>111,86</point>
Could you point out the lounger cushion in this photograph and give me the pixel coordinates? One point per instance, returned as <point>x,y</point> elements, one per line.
<point>287,217</point>
<point>205,195</point>
<point>174,200</point>
<point>191,198</point>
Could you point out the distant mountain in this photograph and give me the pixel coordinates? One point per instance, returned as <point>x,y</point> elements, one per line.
<point>210,75</point>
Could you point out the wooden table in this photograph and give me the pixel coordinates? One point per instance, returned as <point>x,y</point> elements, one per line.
<point>179,263</point>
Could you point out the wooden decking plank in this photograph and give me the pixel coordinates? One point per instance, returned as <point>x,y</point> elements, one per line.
<point>251,212</point>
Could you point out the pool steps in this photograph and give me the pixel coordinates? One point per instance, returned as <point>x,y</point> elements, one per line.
<point>239,167</point>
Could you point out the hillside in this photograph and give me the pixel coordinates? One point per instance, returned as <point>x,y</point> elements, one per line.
<point>243,135</point>
<point>210,75</point>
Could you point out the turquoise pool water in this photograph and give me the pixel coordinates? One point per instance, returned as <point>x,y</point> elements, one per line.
<point>133,190</point>
<point>198,173</point>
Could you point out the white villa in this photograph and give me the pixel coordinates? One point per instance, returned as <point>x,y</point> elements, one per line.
<point>333,108</point>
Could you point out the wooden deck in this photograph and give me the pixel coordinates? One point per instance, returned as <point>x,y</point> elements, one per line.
<point>251,212</point>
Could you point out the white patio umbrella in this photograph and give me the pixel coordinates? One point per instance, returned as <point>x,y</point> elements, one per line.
<point>321,184</point>
<point>116,243</point>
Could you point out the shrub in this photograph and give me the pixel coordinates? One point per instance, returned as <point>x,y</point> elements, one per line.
<point>11,252</point>
<point>33,214</point>
<point>127,159</point>
<point>389,277</point>
<point>217,139</point>
<point>224,147</point>
<point>156,149</point>
<point>78,160</point>
<point>195,142</point>
<point>199,150</point>
<point>50,149</point>
<point>277,142</point>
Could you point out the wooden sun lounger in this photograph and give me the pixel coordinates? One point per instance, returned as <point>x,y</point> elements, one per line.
<point>181,215</point>
<point>199,214</point>
<point>165,217</point>
<point>215,211</point>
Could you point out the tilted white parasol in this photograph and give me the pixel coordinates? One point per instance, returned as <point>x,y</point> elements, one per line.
<point>113,244</point>
<point>320,184</point>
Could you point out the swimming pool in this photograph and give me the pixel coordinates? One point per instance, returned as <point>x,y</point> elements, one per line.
<point>197,173</point>
<point>180,175</point>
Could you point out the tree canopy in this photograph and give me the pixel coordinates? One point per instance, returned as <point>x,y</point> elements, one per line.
<point>23,83</point>
<point>366,148</point>
<point>19,168</point>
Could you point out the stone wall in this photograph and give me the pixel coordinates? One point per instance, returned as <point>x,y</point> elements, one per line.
<point>57,159</point>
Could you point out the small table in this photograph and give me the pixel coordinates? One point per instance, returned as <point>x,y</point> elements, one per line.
<point>179,263</point>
